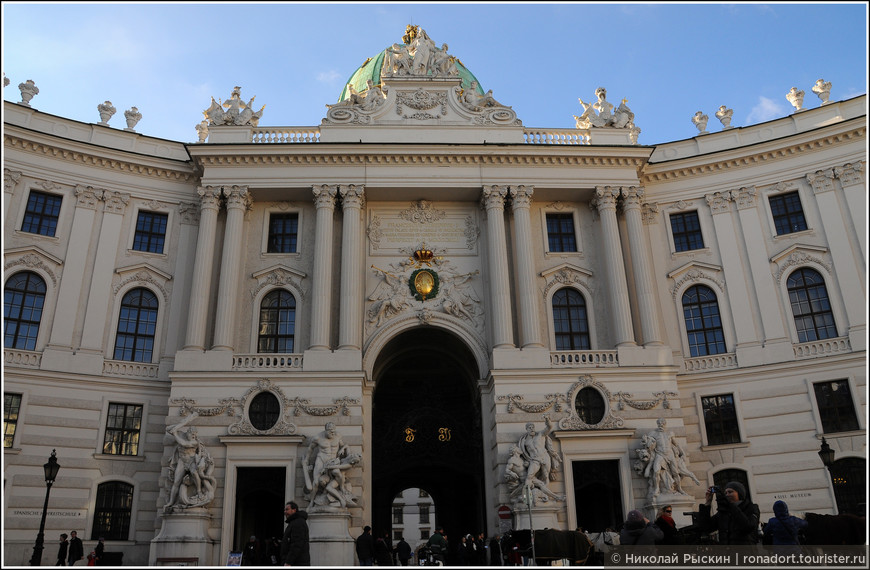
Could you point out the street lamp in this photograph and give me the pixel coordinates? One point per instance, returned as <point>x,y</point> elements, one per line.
<point>827,455</point>
<point>51,468</point>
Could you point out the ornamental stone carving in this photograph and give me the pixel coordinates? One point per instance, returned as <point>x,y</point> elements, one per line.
<point>10,179</point>
<point>28,91</point>
<point>600,113</point>
<point>418,56</point>
<point>132,116</point>
<point>423,104</point>
<point>822,88</point>
<point>87,197</point>
<point>191,469</point>
<point>233,112</point>
<point>796,97</point>
<point>724,115</point>
<point>106,111</point>
<point>718,201</point>
<point>116,202</point>
<point>821,180</point>
<point>744,197</point>
<point>574,422</point>
<point>422,212</point>
<point>282,426</point>
<point>696,275</point>
<point>202,130</point>
<point>850,174</point>
<point>699,119</point>
<point>533,464</point>
<point>663,462</point>
<point>325,466</point>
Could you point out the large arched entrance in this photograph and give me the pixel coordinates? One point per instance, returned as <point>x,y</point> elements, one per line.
<point>427,430</point>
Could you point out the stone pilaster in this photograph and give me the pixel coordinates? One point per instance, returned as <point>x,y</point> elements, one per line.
<point>605,202</point>
<point>324,201</point>
<point>352,279</point>
<point>499,286</point>
<point>237,200</point>
<point>643,277</point>
<point>530,320</point>
<point>851,177</point>
<point>197,315</point>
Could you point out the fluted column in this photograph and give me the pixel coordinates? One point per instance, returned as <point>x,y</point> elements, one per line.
<point>530,320</point>
<point>324,201</point>
<point>237,200</point>
<point>200,290</point>
<point>649,317</point>
<point>350,309</point>
<point>499,287</point>
<point>605,200</point>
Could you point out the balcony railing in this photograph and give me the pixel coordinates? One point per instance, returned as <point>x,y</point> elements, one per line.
<point>584,358</point>
<point>713,362</point>
<point>24,358</point>
<point>291,135</point>
<point>132,369</point>
<point>825,347</point>
<point>555,136</point>
<point>266,361</point>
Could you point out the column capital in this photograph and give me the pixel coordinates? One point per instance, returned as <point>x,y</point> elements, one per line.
<point>10,179</point>
<point>744,197</point>
<point>116,202</point>
<point>352,195</point>
<point>605,197</point>
<point>88,196</point>
<point>850,173</point>
<point>188,213</point>
<point>324,195</point>
<point>493,196</point>
<point>718,201</point>
<point>631,196</point>
<point>209,197</point>
<point>237,197</point>
<point>821,180</point>
<point>521,196</point>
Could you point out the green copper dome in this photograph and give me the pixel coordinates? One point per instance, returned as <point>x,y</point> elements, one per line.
<point>371,69</point>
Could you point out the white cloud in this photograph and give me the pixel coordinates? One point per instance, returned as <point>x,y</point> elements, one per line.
<point>766,110</point>
<point>330,76</point>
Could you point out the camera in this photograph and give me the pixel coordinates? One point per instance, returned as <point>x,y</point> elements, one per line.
<point>714,489</point>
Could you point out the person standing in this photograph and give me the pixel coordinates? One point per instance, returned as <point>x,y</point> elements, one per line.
<point>365,547</point>
<point>62,551</point>
<point>76,548</point>
<point>496,558</point>
<point>438,544</point>
<point>403,551</point>
<point>736,518</point>
<point>783,528</point>
<point>294,545</point>
<point>251,554</point>
<point>98,552</point>
<point>638,531</point>
<point>666,524</point>
<point>383,550</point>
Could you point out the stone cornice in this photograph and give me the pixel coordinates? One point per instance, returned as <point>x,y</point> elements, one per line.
<point>342,158</point>
<point>754,159</point>
<point>94,160</point>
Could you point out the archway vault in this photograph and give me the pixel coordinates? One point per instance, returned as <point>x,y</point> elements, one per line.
<point>427,429</point>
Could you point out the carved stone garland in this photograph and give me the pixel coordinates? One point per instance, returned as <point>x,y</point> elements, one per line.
<point>624,398</point>
<point>573,421</point>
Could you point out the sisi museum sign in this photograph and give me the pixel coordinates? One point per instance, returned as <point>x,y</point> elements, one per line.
<point>423,313</point>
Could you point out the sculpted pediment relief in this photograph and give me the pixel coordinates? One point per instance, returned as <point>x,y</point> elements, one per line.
<point>33,258</point>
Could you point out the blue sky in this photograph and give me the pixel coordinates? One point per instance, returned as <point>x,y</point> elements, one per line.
<point>668,60</point>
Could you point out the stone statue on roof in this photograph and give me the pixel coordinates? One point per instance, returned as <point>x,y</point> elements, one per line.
<point>601,114</point>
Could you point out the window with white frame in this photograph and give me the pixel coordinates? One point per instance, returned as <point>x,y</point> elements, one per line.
<point>686,231</point>
<point>23,301</point>
<point>137,326</point>
<point>11,410</point>
<point>810,306</point>
<point>150,233</point>
<point>788,213</point>
<point>836,406</point>
<point>720,419</point>
<point>41,213</point>
<point>703,322</point>
<point>113,510</point>
<point>570,320</point>
<point>560,232</point>
<point>277,328</point>
<point>123,426</point>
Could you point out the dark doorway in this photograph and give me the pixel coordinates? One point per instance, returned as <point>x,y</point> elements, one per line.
<point>597,496</point>
<point>259,506</point>
<point>427,431</point>
<point>849,476</point>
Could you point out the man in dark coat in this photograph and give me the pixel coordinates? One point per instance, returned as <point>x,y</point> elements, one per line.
<point>294,545</point>
<point>403,551</point>
<point>638,531</point>
<point>76,548</point>
<point>736,518</point>
<point>365,547</point>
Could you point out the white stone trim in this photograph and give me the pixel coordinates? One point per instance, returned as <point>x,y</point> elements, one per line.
<point>112,332</point>
<point>92,504</point>
<point>583,288</point>
<point>834,297</point>
<point>725,314</point>
<point>49,269</point>
<point>719,391</point>
<point>778,190</point>
<point>702,222</point>
<point>155,207</point>
<point>290,287</point>
<point>561,208</point>
<point>64,217</point>
<point>281,208</point>
<point>856,404</point>
<point>104,416</point>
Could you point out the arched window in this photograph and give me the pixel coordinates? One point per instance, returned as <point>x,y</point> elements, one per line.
<point>137,324</point>
<point>703,324</point>
<point>277,322</point>
<point>23,300</point>
<point>810,306</point>
<point>112,511</point>
<point>722,478</point>
<point>570,320</point>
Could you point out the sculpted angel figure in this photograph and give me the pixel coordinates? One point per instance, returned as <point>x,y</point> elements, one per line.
<point>390,297</point>
<point>459,297</point>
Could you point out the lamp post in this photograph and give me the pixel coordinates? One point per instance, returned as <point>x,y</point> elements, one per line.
<point>51,468</point>
<point>827,455</point>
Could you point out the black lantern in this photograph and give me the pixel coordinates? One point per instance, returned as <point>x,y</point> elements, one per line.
<point>826,454</point>
<point>51,469</point>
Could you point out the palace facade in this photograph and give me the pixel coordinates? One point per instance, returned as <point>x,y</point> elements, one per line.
<point>430,275</point>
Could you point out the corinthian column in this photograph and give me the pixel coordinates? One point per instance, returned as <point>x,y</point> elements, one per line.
<point>649,318</point>
<point>530,321</point>
<point>324,201</point>
<point>350,310</point>
<point>499,289</point>
<point>605,200</point>
<point>200,289</point>
<point>231,262</point>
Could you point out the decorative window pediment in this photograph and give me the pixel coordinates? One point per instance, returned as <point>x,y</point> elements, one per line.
<point>695,271</point>
<point>566,274</point>
<point>246,424</point>
<point>33,258</point>
<point>588,396</point>
<point>798,254</point>
<point>142,274</point>
<point>279,275</point>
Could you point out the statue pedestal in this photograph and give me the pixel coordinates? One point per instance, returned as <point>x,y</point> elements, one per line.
<point>679,504</point>
<point>183,536</point>
<point>329,539</point>
<point>542,517</point>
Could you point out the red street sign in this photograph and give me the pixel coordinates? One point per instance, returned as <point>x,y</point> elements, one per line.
<point>504,512</point>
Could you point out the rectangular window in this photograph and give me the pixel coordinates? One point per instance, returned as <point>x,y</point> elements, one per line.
<point>560,233</point>
<point>283,230</point>
<point>836,409</point>
<point>424,534</point>
<point>788,214</point>
<point>424,514</point>
<point>720,419</point>
<point>11,408</point>
<point>150,232</point>
<point>686,229</point>
<point>123,425</point>
<point>41,214</point>
<point>398,515</point>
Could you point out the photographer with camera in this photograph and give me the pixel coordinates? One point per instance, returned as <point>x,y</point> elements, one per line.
<point>736,518</point>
